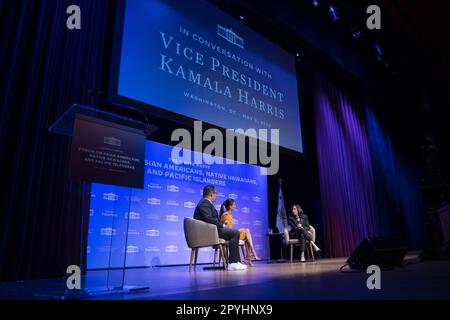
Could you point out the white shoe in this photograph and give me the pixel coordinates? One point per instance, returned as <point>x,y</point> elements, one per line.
<point>237,266</point>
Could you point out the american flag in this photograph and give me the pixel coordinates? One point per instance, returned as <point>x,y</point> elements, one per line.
<point>282,223</point>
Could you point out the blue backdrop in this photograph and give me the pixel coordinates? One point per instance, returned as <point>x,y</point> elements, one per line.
<point>155,231</point>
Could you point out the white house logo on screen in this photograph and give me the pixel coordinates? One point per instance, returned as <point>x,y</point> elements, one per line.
<point>110,196</point>
<point>112,141</point>
<point>220,194</point>
<point>230,36</point>
<point>108,232</point>
<point>173,188</point>
<point>257,223</point>
<point>256,199</point>
<point>233,196</point>
<point>132,249</point>
<point>91,212</point>
<point>245,210</point>
<point>154,201</point>
<point>133,232</point>
<point>152,249</point>
<point>93,195</point>
<point>108,213</point>
<point>189,190</point>
<point>152,233</point>
<point>171,248</point>
<point>154,186</point>
<point>133,215</point>
<point>172,218</point>
<point>189,204</point>
<point>172,203</point>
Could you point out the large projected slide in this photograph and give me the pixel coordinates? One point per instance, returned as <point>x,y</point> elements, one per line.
<point>190,58</point>
<point>156,213</point>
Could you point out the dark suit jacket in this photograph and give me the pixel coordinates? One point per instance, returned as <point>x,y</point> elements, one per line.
<point>206,212</point>
<point>303,221</point>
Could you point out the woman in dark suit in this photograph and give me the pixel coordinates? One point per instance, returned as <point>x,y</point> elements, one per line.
<point>299,224</point>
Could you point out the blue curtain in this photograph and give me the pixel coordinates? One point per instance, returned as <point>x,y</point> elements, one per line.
<point>398,192</point>
<point>44,69</point>
<point>368,186</point>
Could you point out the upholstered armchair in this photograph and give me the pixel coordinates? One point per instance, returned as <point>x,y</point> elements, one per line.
<point>200,234</point>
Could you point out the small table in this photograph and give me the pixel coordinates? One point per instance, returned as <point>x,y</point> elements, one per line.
<point>277,238</point>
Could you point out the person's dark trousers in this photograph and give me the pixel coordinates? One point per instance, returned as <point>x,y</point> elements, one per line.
<point>232,236</point>
<point>302,235</point>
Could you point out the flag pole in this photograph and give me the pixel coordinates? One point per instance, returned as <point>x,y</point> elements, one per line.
<point>281,221</point>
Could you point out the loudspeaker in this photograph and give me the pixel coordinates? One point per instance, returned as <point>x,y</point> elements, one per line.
<point>383,252</point>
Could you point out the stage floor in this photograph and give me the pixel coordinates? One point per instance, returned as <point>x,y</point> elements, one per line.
<point>313,280</point>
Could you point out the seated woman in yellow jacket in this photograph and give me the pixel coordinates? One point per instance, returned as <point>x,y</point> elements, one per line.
<point>226,218</point>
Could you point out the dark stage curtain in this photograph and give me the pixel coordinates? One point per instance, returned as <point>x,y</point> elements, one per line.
<point>345,169</point>
<point>368,185</point>
<point>44,69</point>
<point>397,177</point>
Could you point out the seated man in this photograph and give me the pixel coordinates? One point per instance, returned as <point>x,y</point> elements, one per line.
<point>206,212</point>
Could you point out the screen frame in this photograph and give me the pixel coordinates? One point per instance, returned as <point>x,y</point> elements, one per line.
<point>114,98</point>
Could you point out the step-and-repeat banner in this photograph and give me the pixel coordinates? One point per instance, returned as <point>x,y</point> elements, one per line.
<point>154,215</point>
